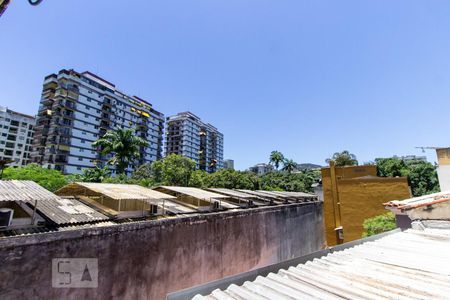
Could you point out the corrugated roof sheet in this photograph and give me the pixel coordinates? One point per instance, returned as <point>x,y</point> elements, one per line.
<point>232,193</point>
<point>414,264</point>
<point>24,190</point>
<point>420,201</point>
<point>125,191</point>
<point>68,211</point>
<point>195,192</point>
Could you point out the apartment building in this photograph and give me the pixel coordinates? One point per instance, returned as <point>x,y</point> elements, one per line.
<point>189,136</point>
<point>16,136</point>
<point>228,164</point>
<point>77,109</point>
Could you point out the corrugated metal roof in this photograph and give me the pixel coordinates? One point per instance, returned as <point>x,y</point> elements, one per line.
<point>195,192</point>
<point>24,190</point>
<point>232,193</point>
<point>420,201</point>
<point>414,264</point>
<point>68,211</point>
<point>124,191</point>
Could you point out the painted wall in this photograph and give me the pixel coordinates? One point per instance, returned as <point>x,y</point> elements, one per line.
<point>147,260</point>
<point>360,198</point>
<point>443,170</point>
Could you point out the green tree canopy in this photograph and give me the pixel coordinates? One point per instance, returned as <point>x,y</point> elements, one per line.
<point>344,158</point>
<point>283,181</point>
<point>124,145</point>
<point>52,180</point>
<point>95,174</point>
<point>276,158</point>
<point>173,170</point>
<point>232,179</point>
<point>289,165</point>
<point>422,175</point>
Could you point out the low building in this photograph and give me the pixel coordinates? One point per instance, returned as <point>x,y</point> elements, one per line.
<point>409,158</point>
<point>228,164</point>
<point>261,168</point>
<point>119,201</point>
<point>354,193</point>
<point>16,137</point>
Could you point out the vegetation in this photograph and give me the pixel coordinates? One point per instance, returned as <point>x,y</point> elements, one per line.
<point>276,158</point>
<point>379,224</point>
<point>422,175</point>
<point>124,145</point>
<point>95,174</point>
<point>52,180</point>
<point>344,158</point>
<point>289,165</point>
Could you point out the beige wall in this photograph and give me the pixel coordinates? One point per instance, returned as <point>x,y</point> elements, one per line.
<point>360,198</point>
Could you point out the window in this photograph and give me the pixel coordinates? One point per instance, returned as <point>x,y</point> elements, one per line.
<point>80,158</point>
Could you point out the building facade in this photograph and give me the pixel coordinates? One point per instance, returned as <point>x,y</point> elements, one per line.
<point>189,136</point>
<point>16,136</point>
<point>228,164</point>
<point>261,168</point>
<point>77,109</point>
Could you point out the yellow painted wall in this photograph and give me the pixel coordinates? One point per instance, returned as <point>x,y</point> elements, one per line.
<point>360,198</point>
<point>443,155</point>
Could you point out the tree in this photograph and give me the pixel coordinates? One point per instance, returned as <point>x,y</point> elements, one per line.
<point>422,175</point>
<point>199,179</point>
<point>289,165</point>
<point>52,180</point>
<point>174,170</point>
<point>283,181</point>
<point>276,158</point>
<point>379,224</point>
<point>344,158</point>
<point>95,174</point>
<point>124,145</point>
<point>232,179</point>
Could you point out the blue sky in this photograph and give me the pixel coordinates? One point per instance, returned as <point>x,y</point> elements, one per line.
<point>307,78</point>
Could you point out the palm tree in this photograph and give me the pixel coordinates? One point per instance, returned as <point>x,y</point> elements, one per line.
<point>289,165</point>
<point>276,157</point>
<point>344,158</point>
<point>124,145</point>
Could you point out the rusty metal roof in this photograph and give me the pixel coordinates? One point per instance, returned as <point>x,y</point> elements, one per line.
<point>414,264</point>
<point>24,190</point>
<point>419,201</point>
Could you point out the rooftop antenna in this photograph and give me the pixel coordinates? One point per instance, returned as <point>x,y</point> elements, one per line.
<point>427,147</point>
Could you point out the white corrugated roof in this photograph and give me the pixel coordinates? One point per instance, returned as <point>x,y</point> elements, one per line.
<point>195,192</point>
<point>414,264</point>
<point>420,201</point>
<point>24,190</point>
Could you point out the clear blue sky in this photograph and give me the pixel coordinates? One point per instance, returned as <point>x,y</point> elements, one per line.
<point>306,78</point>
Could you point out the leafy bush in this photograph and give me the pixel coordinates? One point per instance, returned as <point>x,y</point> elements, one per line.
<point>52,180</point>
<point>379,224</point>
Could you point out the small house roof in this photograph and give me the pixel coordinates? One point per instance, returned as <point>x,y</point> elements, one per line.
<point>24,190</point>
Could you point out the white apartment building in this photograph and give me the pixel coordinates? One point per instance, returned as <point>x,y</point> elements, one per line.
<point>77,109</point>
<point>189,136</point>
<point>16,136</point>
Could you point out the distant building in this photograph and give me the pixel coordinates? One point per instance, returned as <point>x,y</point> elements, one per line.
<point>261,168</point>
<point>411,158</point>
<point>16,136</point>
<point>228,164</point>
<point>77,109</point>
<point>189,136</point>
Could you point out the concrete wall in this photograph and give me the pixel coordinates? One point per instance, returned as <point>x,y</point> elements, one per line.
<point>147,260</point>
<point>360,198</point>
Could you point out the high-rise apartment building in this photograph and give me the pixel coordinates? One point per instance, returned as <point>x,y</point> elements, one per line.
<point>187,135</point>
<point>77,109</point>
<point>16,136</point>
